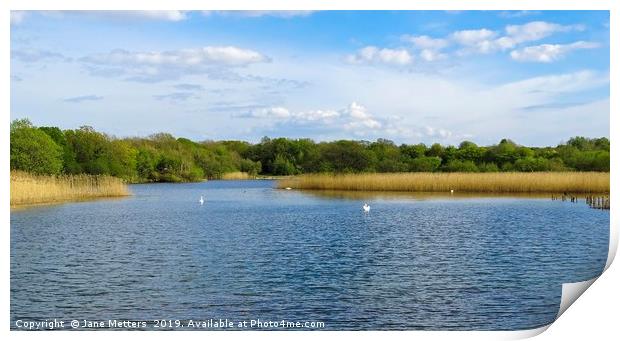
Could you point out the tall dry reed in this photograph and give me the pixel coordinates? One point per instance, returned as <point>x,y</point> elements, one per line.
<point>236,176</point>
<point>539,182</point>
<point>29,189</point>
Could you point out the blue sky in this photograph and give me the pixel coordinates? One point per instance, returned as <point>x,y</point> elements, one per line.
<point>537,77</point>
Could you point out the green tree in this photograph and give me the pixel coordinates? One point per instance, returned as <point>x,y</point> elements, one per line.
<point>413,151</point>
<point>146,160</point>
<point>90,149</point>
<point>283,166</point>
<point>121,159</point>
<point>460,166</point>
<point>503,153</point>
<point>250,167</point>
<point>32,150</point>
<point>69,164</point>
<point>435,150</point>
<point>581,143</point>
<point>424,164</point>
<point>387,156</point>
<point>488,167</point>
<point>532,164</point>
<point>601,144</point>
<point>469,151</point>
<point>450,153</point>
<point>347,156</point>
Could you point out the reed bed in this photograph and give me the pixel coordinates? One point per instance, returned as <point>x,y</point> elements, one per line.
<point>538,182</point>
<point>236,176</point>
<point>27,189</point>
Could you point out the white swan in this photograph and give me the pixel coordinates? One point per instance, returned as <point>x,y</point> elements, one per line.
<point>366,207</point>
<point>451,191</point>
<point>288,188</point>
<point>202,200</point>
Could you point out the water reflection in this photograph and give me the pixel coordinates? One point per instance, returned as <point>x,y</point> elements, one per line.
<point>387,195</point>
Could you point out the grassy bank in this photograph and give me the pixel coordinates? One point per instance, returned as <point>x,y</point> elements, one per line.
<point>538,182</point>
<point>27,189</point>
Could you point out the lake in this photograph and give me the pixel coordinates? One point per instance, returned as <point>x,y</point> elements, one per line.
<point>254,252</point>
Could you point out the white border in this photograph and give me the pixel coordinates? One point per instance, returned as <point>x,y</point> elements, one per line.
<point>601,309</point>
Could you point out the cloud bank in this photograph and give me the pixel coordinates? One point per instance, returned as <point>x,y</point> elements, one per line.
<point>469,42</point>
<point>163,65</point>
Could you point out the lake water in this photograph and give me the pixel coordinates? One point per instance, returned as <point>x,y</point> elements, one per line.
<point>255,252</point>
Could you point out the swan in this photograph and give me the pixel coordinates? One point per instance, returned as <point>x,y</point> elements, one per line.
<point>451,191</point>
<point>288,188</point>
<point>202,200</point>
<point>366,207</point>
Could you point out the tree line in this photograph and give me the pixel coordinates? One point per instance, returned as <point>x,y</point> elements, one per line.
<point>164,158</point>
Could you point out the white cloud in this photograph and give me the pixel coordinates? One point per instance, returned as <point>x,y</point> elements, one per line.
<point>478,41</point>
<point>517,14</point>
<point>486,41</point>
<point>157,65</point>
<point>473,41</point>
<point>372,54</point>
<point>537,30</point>
<point>433,132</point>
<point>317,115</point>
<point>359,118</point>
<point>221,55</point>
<point>430,47</point>
<point>472,37</point>
<point>426,42</point>
<point>159,15</point>
<point>125,15</point>
<point>270,113</point>
<point>114,15</point>
<point>257,14</point>
<point>547,53</point>
<point>281,113</point>
<point>432,55</point>
<point>354,117</point>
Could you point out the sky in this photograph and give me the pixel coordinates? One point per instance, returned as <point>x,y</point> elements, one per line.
<point>536,77</point>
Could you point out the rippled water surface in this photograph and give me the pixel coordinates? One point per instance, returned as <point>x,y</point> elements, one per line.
<point>252,252</point>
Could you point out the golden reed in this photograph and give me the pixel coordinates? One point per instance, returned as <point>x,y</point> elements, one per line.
<point>537,182</point>
<point>29,189</point>
<point>236,176</point>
